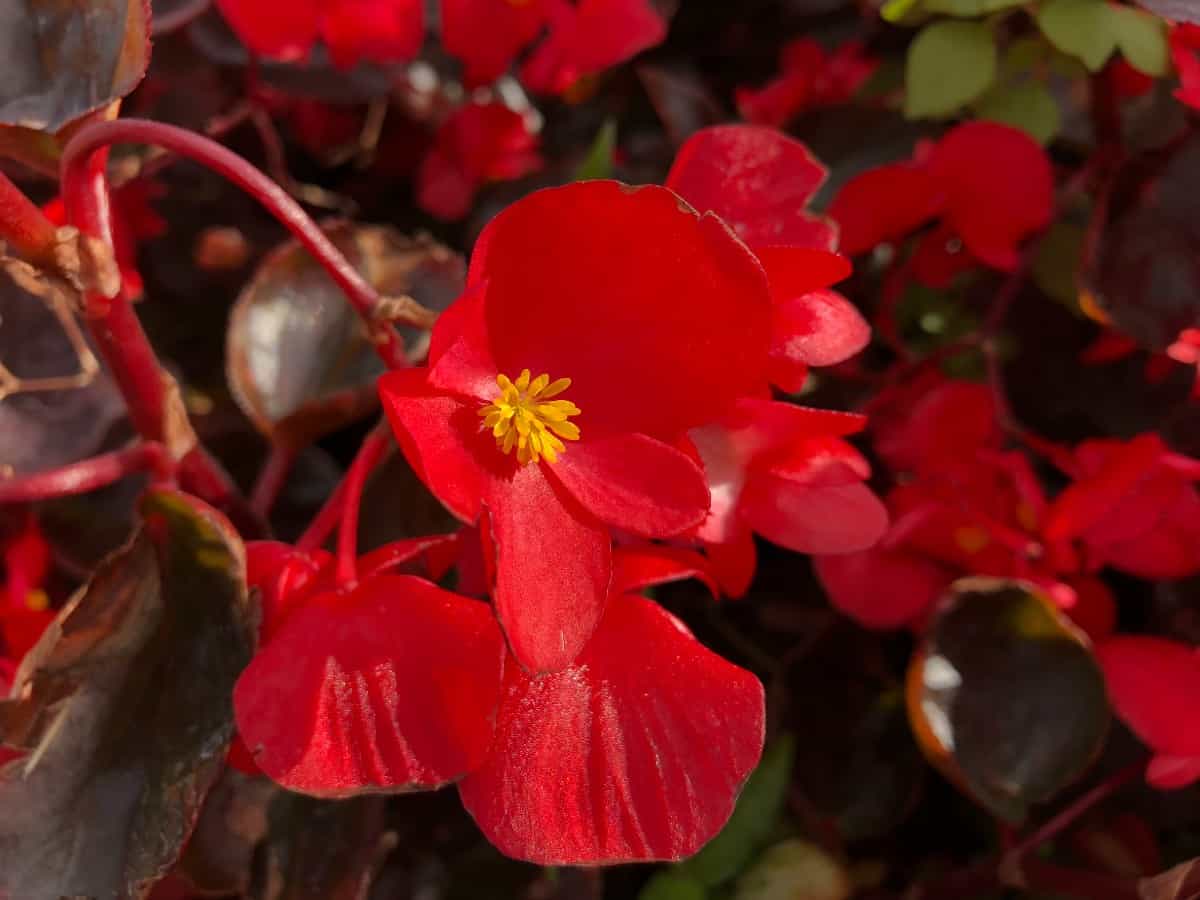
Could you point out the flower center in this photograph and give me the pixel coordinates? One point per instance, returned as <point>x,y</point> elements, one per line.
<point>523,416</point>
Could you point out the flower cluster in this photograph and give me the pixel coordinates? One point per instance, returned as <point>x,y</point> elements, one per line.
<point>573,413</point>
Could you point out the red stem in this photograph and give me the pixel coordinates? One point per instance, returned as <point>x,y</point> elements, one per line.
<point>25,227</point>
<point>271,478</point>
<point>89,474</point>
<point>369,455</point>
<point>229,165</point>
<point>322,525</point>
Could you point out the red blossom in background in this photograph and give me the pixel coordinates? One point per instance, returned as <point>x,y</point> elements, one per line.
<point>760,181</point>
<point>478,143</point>
<point>354,31</point>
<point>583,38</point>
<point>809,77</point>
<point>1153,684</point>
<point>133,220</point>
<point>989,184</point>
<point>1184,42</point>
<point>783,472</point>
<point>558,394</point>
<point>24,610</point>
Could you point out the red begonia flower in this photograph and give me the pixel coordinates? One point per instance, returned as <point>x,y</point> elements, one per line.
<point>1184,42</point>
<point>487,35</point>
<point>991,184</point>
<point>391,685</point>
<point>634,753</point>
<point>478,143</point>
<point>660,320</point>
<point>1134,507</point>
<point>587,37</point>
<point>133,219</point>
<point>354,31</point>
<point>809,77</point>
<point>783,472</point>
<point>24,606</point>
<point>881,587</point>
<point>931,424</point>
<point>760,181</point>
<point>1153,684</point>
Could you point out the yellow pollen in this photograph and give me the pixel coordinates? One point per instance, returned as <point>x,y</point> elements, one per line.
<point>524,417</point>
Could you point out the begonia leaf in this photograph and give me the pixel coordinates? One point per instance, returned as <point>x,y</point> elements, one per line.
<point>1005,696</point>
<point>1142,38</point>
<point>298,359</point>
<point>62,405</point>
<point>125,710</point>
<point>62,60</point>
<point>969,9</point>
<point>1029,106</point>
<point>797,870</point>
<point>590,766</point>
<point>950,63</point>
<point>672,884</point>
<point>1081,28</point>
<point>389,686</point>
<point>219,854</point>
<point>599,160</point>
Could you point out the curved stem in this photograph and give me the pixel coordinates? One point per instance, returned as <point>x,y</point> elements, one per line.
<point>369,455</point>
<point>271,478</point>
<point>89,474</point>
<point>362,296</point>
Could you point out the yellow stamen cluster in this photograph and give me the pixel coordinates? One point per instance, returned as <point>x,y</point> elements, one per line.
<point>524,417</point>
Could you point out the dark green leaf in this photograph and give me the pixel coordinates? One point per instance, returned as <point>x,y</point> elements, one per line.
<point>1142,38</point>
<point>1082,28</point>
<point>673,885</point>
<point>1006,696</point>
<point>125,709</point>
<point>1027,105</point>
<point>599,161</point>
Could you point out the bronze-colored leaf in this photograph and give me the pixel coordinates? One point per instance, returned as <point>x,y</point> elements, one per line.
<point>324,849</point>
<point>298,358</point>
<point>219,853</point>
<point>56,404</point>
<point>65,58</point>
<point>124,709</point>
<point>1005,695</point>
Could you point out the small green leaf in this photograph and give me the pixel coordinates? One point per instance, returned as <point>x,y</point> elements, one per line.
<point>599,160</point>
<point>795,870</point>
<point>895,10</point>
<point>1142,38</point>
<point>949,65</point>
<point>1081,28</point>
<point>758,809</point>
<point>969,9</point>
<point>1029,106</point>
<point>670,884</point>
<point>1056,265</point>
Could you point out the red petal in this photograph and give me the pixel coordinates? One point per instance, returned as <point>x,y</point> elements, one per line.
<point>807,519</point>
<point>999,188</point>
<point>940,257</point>
<point>588,38</point>
<point>440,438</point>
<point>460,360</point>
<point>635,483</point>
<point>553,565</point>
<point>389,687</point>
<point>733,560</point>
<point>488,34</point>
<point>930,426</point>
<point>589,766</point>
<point>381,31</point>
<point>284,578</point>
<point>444,189</point>
<point>758,180</point>
<point>884,204</point>
<point>1085,503</point>
<point>821,328</point>
<point>1153,685</point>
<point>1170,773</point>
<point>646,565</point>
<point>661,318</point>
<point>881,588</point>
<point>266,33</point>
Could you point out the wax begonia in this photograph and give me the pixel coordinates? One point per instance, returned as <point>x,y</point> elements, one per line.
<point>24,604</point>
<point>478,143</point>
<point>599,324</point>
<point>760,182</point>
<point>990,184</point>
<point>809,77</point>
